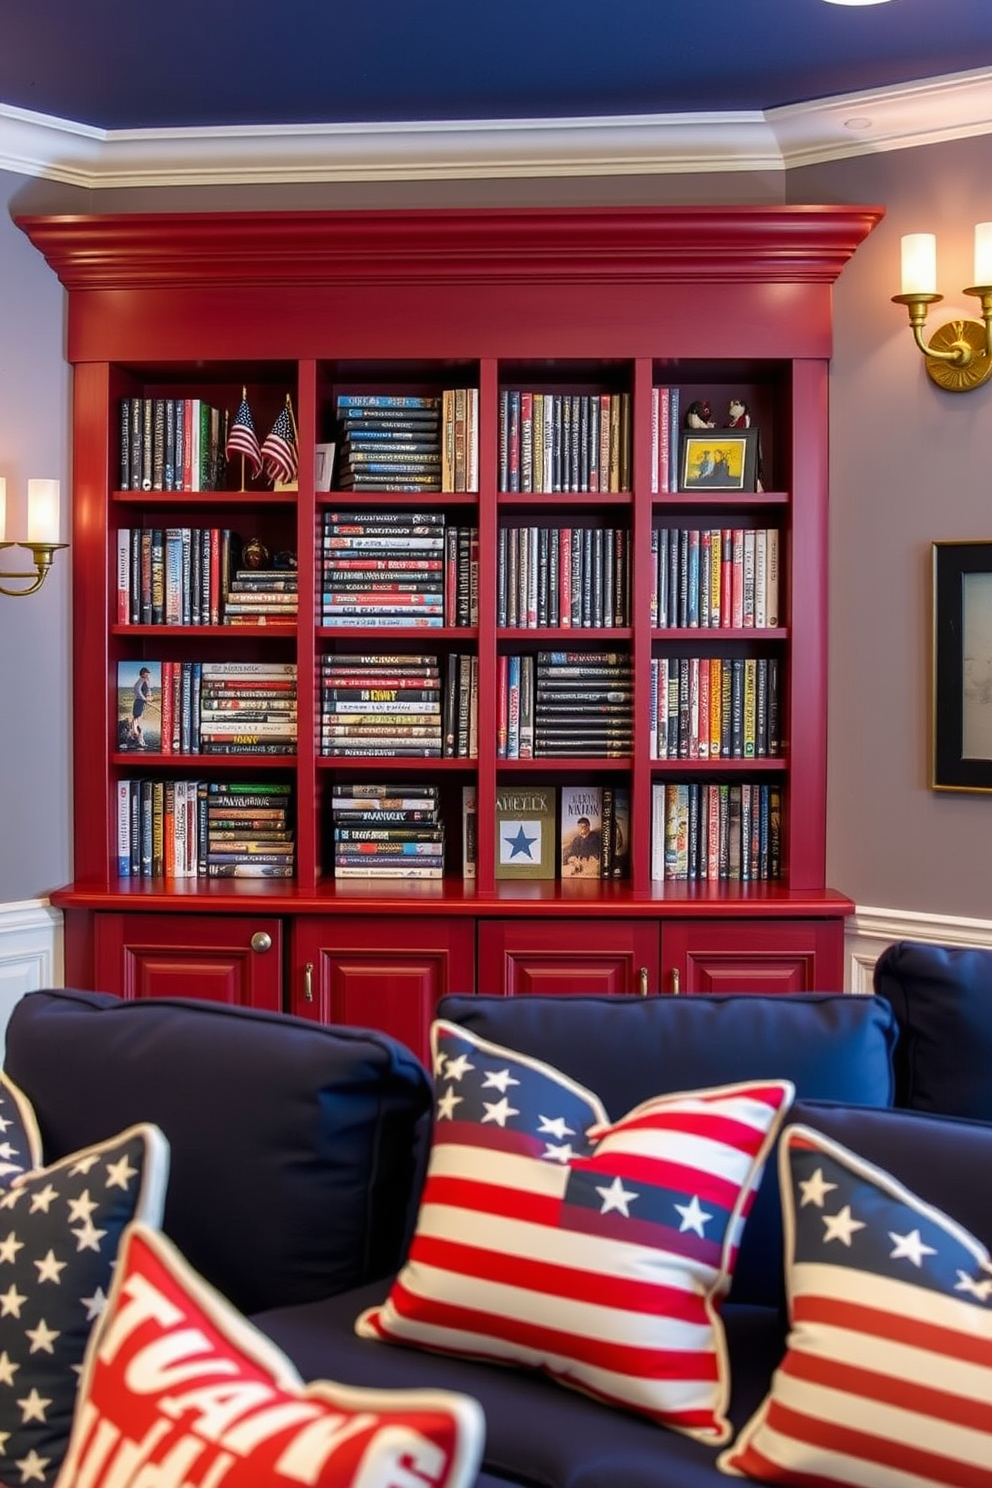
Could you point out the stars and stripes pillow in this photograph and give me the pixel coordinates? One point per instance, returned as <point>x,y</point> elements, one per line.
<point>179,1388</point>
<point>20,1140</point>
<point>596,1251</point>
<point>887,1378</point>
<point>60,1228</point>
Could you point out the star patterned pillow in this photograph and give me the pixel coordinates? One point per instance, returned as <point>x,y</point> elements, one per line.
<point>596,1251</point>
<point>20,1140</point>
<point>179,1388</point>
<point>60,1228</point>
<point>887,1376</point>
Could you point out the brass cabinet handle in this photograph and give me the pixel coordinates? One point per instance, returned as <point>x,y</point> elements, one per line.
<point>308,982</point>
<point>642,981</point>
<point>261,941</point>
<point>675,981</point>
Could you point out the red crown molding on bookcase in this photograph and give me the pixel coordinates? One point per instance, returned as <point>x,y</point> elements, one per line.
<point>657,245</point>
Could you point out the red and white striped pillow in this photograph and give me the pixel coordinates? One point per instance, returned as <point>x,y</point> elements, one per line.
<point>597,1251</point>
<point>888,1374</point>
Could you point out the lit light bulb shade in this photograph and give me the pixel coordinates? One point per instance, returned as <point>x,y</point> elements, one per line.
<point>919,264</point>
<point>983,254</point>
<point>44,512</point>
<point>3,508</point>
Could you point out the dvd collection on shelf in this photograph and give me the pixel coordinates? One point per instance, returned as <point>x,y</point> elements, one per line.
<point>171,444</point>
<point>193,707</point>
<point>565,577</point>
<point>404,706</point>
<point>713,707</point>
<point>387,830</point>
<point>565,832</point>
<point>564,704</point>
<point>406,442</point>
<point>204,829</point>
<point>564,442</point>
<point>382,569</point>
<point>715,578</point>
<point>716,831</point>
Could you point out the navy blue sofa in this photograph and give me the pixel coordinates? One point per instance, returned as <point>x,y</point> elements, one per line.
<point>297,1152</point>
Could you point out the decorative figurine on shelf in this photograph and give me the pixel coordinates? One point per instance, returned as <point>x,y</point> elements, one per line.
<point>254,554</point>
<point>285,558</point>
<point>739,417</point>
<point>699,415</point>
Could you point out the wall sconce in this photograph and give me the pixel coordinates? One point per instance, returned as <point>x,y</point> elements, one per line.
<point>44,518</point>
<point>959,354</point>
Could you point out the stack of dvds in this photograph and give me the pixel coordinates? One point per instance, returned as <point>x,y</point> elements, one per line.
<point>248,829</point>
<point>583,704</point>
<point>384,568</point>
<point>389,442</point>
<point>248,707</point>
<point>261,596</point>
<point>387,831</point>
<point>381,705</point>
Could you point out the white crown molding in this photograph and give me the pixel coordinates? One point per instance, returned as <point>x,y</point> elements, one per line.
<point>638,144</point>
<point>958,106</point>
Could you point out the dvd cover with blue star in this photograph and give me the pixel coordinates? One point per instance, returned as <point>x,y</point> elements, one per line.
<point>526,831</point>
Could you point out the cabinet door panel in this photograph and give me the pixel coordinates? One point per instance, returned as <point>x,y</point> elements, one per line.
<point>766,956</point>
<point>517,957</point>
<point>232,959</point>
<point>380,974</point>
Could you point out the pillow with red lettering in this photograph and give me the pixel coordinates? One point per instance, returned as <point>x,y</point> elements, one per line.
<point>179,1388</point>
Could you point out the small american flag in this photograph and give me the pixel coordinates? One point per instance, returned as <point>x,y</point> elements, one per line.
<point>597,1251</point>
<point>279,449</point>
<point>888,1375</point>
<point>242,439</point>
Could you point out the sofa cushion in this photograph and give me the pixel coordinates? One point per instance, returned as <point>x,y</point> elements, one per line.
<point>628,1049</point>
<point>179,1387</point>
<point>296,1135</point>
<point>20,1139</point>
<point>888,1373</point>
<point>546,1437</point>
<point>597,1251</point>
<point>60,1231</point>
<point>942,998</point>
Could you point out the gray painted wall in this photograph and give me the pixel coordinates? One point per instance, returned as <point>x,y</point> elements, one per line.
<point>910,464</point>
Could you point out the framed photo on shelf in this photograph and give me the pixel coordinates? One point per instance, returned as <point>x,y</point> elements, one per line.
<point>719,460</point>
<point>323,466</point>
<point>961,750</point>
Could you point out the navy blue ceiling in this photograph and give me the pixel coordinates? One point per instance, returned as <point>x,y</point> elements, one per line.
<point>121,64</point>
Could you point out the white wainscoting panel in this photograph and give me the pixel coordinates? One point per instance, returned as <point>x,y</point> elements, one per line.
<point>30,952</point>
<point>869,931</point>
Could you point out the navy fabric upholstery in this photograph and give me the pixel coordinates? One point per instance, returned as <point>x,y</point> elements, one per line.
<point>537,1432</point>
<point>292,1143</point>
<point>550,1437</point>
<point>627,1049</point>
<point>942,997</point>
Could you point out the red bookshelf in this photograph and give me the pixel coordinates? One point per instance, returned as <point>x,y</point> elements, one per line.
<point>728,303</point>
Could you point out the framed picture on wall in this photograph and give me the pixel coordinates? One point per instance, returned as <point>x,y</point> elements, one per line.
<point>961,750</point>
<point>719,460</point>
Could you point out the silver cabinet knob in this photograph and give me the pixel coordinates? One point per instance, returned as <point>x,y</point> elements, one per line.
<point>261,941</point>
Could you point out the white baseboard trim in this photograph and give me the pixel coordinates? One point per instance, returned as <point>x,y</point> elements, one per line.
<point>869,931</point>
<point>30,952</point>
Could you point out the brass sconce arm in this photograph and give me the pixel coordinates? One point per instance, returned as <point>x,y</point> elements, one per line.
<point>43,554</point>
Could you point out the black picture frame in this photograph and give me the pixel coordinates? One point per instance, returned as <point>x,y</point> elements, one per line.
<point>961,752</point>
<point>718,460</point>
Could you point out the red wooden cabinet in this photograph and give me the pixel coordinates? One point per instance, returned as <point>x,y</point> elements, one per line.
<point>380,974</point>
<point>225,958</point>
<point>517,957</point>
<point>752,956</point>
